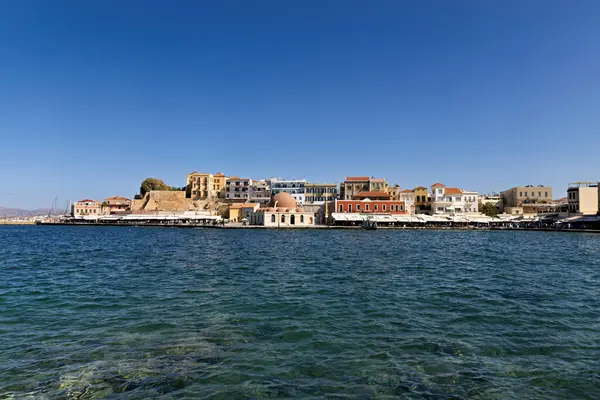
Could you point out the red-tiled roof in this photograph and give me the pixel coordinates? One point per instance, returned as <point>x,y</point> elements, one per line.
<point>116,198</point>
<point>420,188</point>
<point>89,201</point>
<point>406,191</point>
<point>377,180</point>
<point>373,194</point>
<point>357,178</point>
<point>437,184</point>
<point>452,191</point>
<point>219,175</point>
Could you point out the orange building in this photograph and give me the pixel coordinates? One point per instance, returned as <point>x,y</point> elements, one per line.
<point>370,206</point>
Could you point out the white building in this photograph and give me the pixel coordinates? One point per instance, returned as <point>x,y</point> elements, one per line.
<point>445,200</point>
<point>237,188</point>
<point>259,192</point>
<point>295,187</point>
<point>408,197</point>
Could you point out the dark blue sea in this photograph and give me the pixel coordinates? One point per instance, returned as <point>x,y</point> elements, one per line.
<point>171,313</point>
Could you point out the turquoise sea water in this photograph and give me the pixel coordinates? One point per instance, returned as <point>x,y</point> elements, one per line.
<point>142,313</point>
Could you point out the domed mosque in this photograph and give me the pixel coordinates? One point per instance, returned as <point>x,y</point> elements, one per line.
<point>282,212</point>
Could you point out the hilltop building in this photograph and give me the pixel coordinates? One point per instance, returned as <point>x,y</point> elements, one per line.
<point>259,192</point>
<point>204,185</point>
<point>237,189</point>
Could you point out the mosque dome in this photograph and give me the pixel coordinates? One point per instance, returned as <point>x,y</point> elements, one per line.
<point>283,200</point>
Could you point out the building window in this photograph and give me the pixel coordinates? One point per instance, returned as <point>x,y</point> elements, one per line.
<point>520,194</point>
<point>383,207</point>
<point>358,207</point>
<point>375,207</point>
<point>366,207</point>
<point>532,194</point>
<point>302,219</point>
<point>341,208</point>
<point>546,194</point>
<point>283,218</point>
<point>349,207</point>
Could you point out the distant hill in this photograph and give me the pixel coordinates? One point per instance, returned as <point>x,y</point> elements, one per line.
<point>18,212</point>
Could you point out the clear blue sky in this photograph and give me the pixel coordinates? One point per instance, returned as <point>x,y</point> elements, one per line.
<point>95,96</point>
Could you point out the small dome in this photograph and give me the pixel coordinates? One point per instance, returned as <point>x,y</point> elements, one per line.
<point>284,200</point>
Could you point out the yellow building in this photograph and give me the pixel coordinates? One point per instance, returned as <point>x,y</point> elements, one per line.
<point>86,208</point>
<point>353,185</point>
<point>219,180</point>
<point>204,185</point>
<point>421,196</point>
<point>239,211</point>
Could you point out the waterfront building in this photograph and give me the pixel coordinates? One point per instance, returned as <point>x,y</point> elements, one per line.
<point>116,205</point>
<point>583,198</point>
<point>318,193</point>
<point>282,212</point>
<point>240,211</point>
<point>421,195</point>
<point>259,192</point>
<point>352,185</point>
<point>372,203</point>
<point>525,200</point>
<point>236,188</point>
<point>452,200</point>
<point>294,187</point>
<point>408,197</point>
<point>86,208</point>
<point>204,185</point>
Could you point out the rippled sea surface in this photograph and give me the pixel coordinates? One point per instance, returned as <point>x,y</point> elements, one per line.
<point>143,313</point>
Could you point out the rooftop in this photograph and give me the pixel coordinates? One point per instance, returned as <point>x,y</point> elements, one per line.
<point>437,184</point>
<point>452,191</point>
<point>116,198</point>
<point>357,178</point>
<point>582,184</point>
<point>89,201</point>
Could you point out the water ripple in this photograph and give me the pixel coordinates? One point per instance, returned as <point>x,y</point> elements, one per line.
<point>218,314</point>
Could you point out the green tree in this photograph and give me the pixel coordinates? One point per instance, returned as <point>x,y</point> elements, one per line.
<point>153,184</point>
<point>488,209</point>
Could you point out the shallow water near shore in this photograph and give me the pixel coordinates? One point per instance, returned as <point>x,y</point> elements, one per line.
<point>136,313</point>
